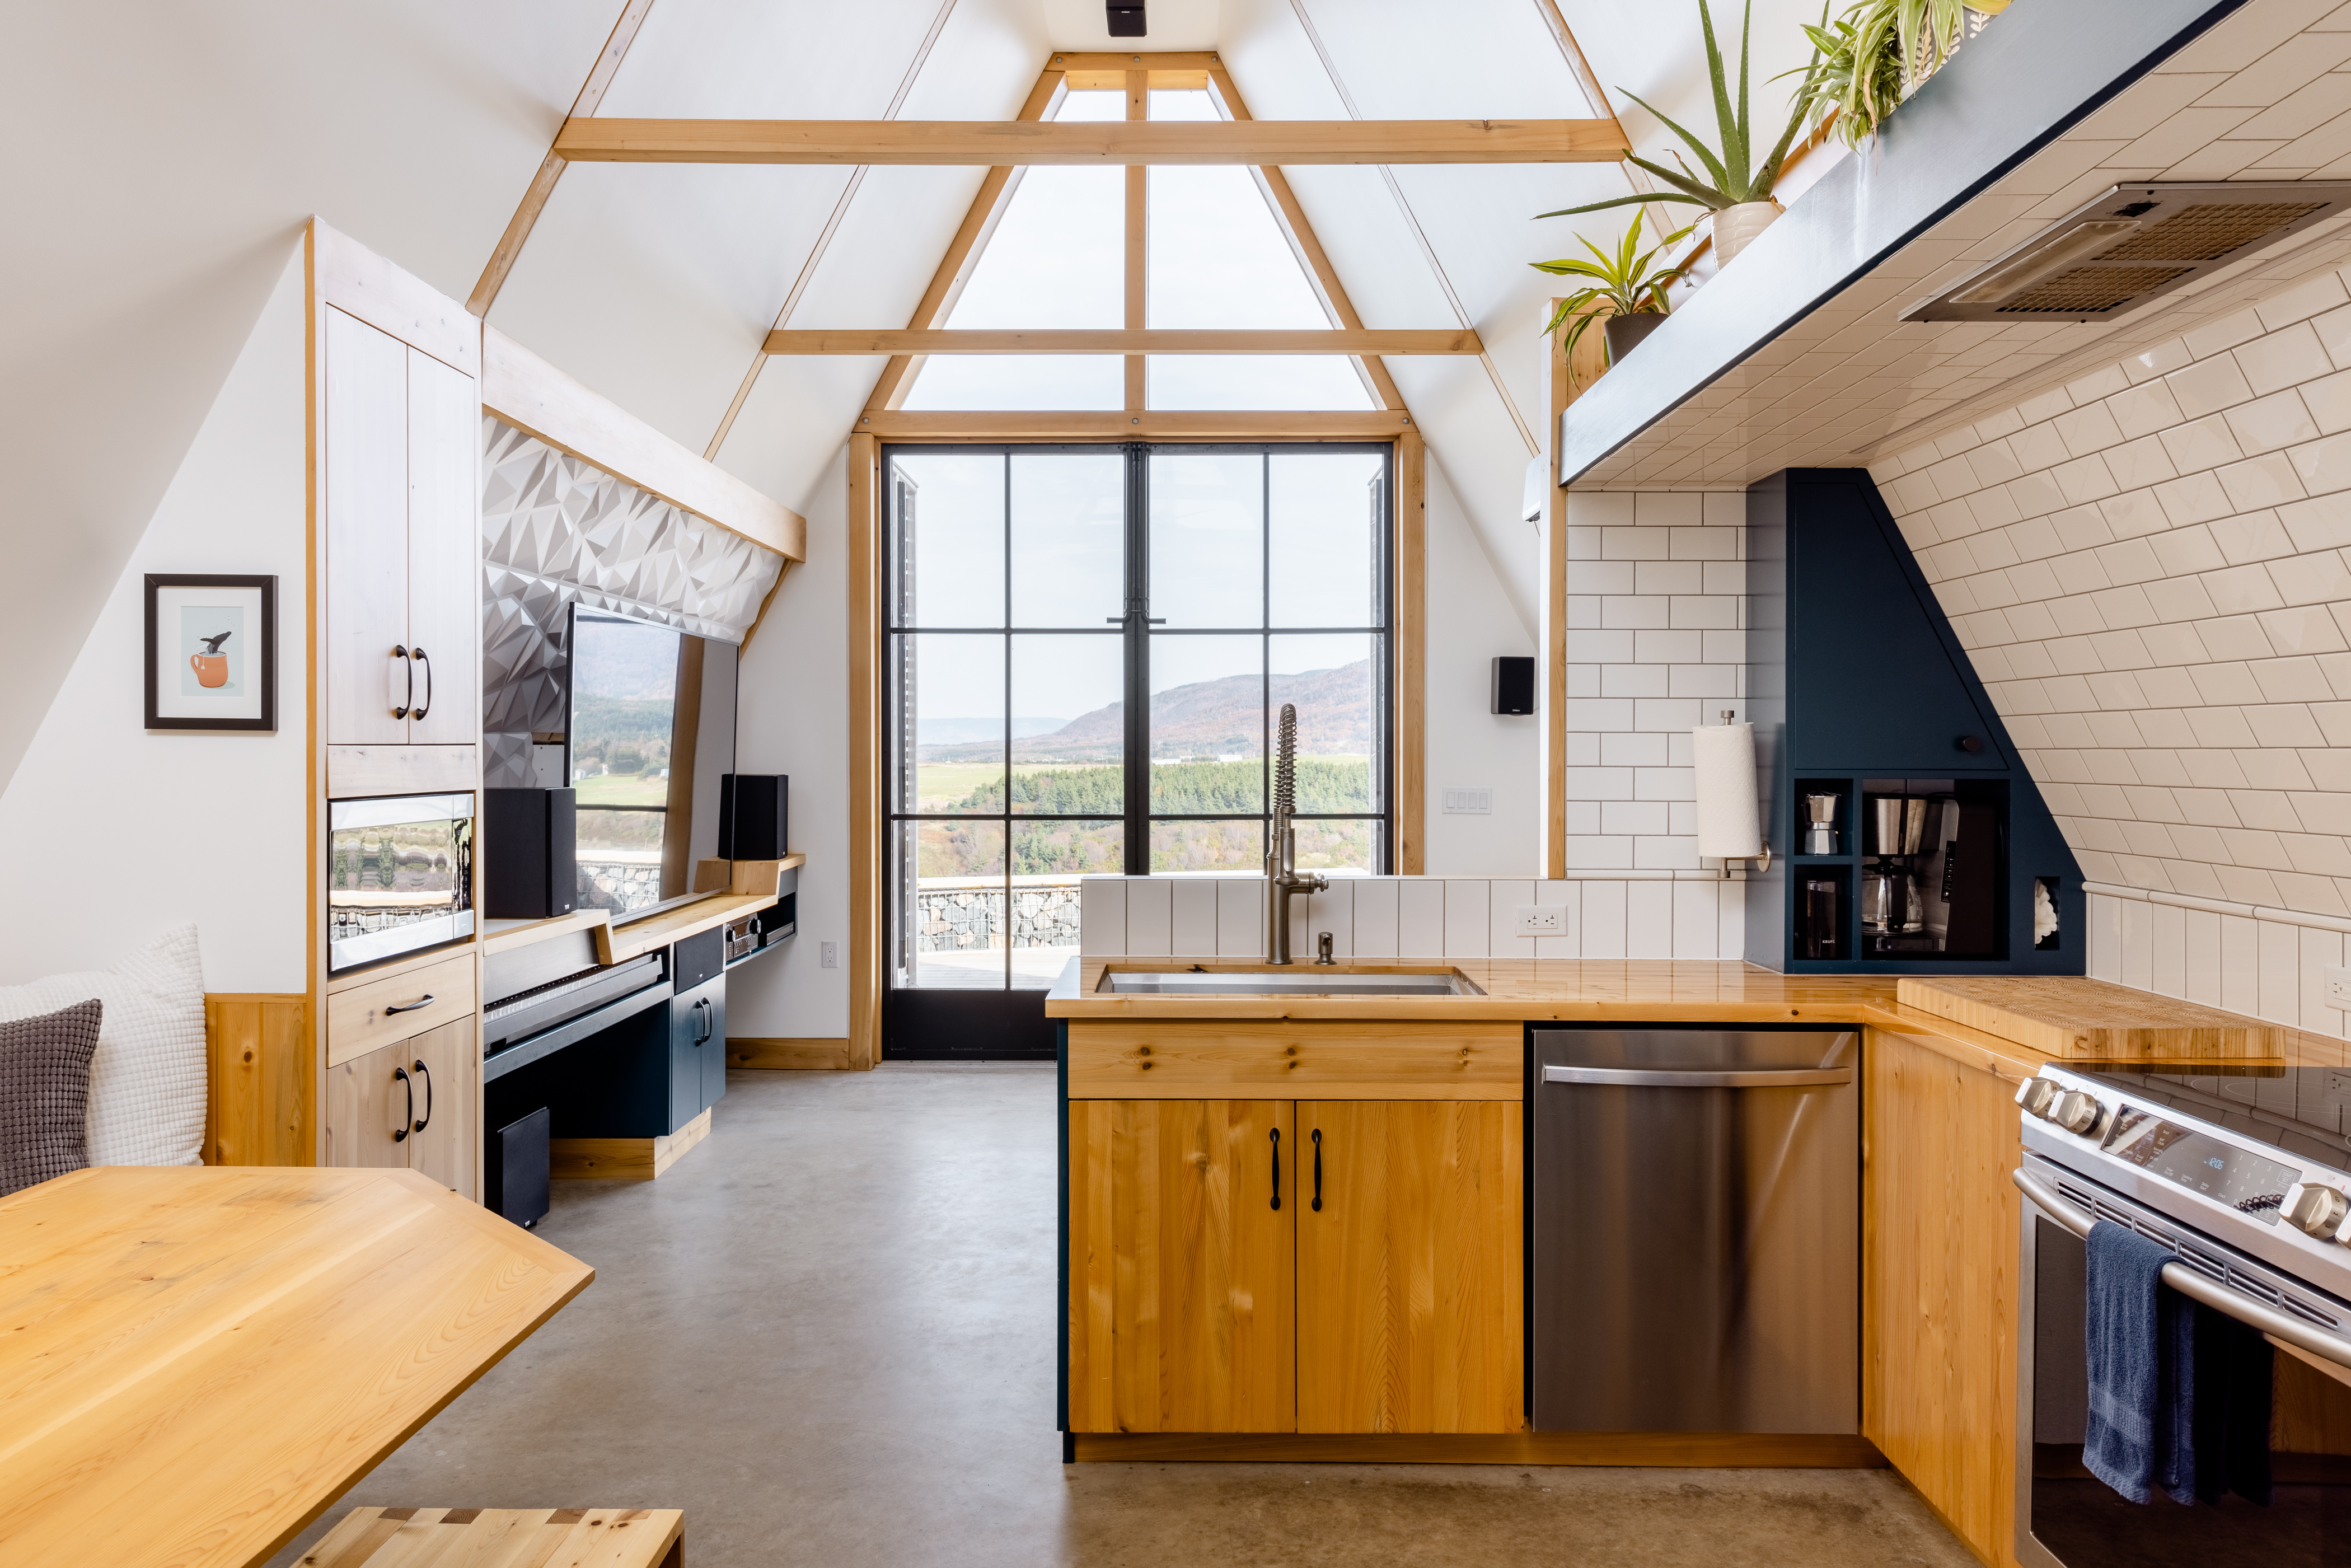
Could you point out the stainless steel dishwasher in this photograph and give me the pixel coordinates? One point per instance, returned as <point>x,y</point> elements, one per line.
<point>1696,1230</point>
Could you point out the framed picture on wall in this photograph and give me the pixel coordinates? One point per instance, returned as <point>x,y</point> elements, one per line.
<point>212,652</point>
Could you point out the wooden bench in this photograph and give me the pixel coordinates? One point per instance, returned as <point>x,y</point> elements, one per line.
<point>505,1538</point>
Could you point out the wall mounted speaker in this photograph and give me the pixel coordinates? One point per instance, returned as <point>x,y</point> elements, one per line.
<point>1514,684</point>
<point>1125,19</point>
<point>752,816</point>
<point>530,853</point>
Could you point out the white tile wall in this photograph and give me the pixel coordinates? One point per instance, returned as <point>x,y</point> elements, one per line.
<point>1657,644</point>
<point>2269,963</point>
<point>1659,915</point>
<point>2148,567</point>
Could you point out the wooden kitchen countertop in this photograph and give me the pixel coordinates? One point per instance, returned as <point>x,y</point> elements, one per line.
<point>1593,990</point>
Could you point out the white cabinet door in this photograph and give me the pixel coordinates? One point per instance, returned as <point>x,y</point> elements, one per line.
<point>444,421</point>
<point>366,463</point>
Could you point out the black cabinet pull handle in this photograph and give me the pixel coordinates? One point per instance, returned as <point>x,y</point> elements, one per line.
<point>399,709</point>
<point>418,656</point>
<point>423,1001</point>
<point>1275,1136</point>
<point>1317,1204</point>
<point>408,1084</point>
<point>426,1073</point>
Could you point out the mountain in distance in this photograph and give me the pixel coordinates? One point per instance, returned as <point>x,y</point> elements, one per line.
<point>965,731</point>
<point>1223,717</point>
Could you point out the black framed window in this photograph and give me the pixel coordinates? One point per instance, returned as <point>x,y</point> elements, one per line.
<point>1086,648</point>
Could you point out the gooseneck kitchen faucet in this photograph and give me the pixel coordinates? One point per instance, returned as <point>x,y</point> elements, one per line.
<point>1282,878</point>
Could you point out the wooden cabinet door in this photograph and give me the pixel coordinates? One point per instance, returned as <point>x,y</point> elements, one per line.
<point>447,1146</point>
<point>444,579</point>
<point>366,481</point>
<point>1410,1309</point>
<point>1181,1311</point>
<point>367,1110</point>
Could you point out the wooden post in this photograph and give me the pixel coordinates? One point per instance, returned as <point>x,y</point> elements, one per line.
<point>1138,242</point>
<point>1570,375</point>
<point>1410,805</point>
<point>868,805</point>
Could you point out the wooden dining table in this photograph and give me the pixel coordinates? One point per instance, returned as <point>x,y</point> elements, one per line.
<point>196,1361</point>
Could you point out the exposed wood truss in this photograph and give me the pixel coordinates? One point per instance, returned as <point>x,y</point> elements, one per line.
<point>1108,340</point>
<point>1089,142</point>
<point>551,169</point>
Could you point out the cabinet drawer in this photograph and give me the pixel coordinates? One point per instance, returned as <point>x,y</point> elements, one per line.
<point>368,1017</point>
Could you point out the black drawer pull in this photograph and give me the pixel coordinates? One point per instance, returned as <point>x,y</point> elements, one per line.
<point>417,655</point>
<point>1275,1136</point>
<point>1317,1204</point>
<point>401,1134</point>
<point>423,1001</point>
<point>425,1073</point>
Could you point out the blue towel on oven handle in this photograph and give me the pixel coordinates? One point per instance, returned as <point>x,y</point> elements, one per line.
<point>2140,1339</point>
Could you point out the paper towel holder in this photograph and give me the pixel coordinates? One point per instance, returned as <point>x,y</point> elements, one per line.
<point>1762,859</point>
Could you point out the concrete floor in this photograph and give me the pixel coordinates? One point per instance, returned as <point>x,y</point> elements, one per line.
<point>828,1336</point>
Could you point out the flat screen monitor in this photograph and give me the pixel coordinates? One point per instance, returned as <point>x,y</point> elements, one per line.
<point>649,728</point>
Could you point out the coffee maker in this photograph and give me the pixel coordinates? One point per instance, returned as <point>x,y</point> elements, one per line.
<point>1894,831</point>
<point>1931,882</point>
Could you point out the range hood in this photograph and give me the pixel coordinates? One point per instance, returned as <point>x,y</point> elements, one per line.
<point>2135,244</point>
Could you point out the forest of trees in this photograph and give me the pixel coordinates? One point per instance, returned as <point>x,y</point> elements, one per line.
<point>1178,788</point>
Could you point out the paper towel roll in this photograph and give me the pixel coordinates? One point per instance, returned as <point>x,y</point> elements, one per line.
<point>1727,826</point>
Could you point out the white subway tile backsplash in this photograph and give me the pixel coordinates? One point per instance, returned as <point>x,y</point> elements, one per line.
<point>1240,917</point>
<point>1193,928</point>
<point>1102,916</point>
<point>1568,897</point>
<point>1420,918</point>
<point>1649,919</point>
<point>1468,918</point>
<point>2280,972</point>
<point>1376,917</point>
<point>1150,923</point>
<point>1604,920</point>
<point>1502,901</point>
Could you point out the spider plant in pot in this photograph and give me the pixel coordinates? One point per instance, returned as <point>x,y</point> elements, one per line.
<point>1875,53</point>
<point>1622,293</point>
<point>1736,190</point>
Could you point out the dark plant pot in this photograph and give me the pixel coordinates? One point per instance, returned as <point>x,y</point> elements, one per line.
<point>1625,333</point>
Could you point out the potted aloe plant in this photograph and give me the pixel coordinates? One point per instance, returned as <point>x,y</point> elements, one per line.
<point>1622,293</point>
<point>1736,190</point>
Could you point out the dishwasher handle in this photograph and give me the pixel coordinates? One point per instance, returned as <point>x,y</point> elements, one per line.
<point>1701,1078</point>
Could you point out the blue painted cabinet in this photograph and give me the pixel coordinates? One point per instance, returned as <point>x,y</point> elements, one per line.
<point>1857,686</point>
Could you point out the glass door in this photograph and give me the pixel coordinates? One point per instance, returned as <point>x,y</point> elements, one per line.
<point>1086,648</point>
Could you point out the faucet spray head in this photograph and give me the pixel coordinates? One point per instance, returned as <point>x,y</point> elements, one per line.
<point>1285,765</point>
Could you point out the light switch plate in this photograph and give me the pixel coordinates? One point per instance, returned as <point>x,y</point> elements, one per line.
<point>1466,800</point>
<point>2338,986</point>
<point>1543,920</point>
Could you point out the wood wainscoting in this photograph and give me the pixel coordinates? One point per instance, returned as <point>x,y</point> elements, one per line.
<point>833,1055</point>
<point>258,1079</point>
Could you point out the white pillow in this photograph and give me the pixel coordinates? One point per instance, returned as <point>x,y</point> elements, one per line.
<point>146,1082</point>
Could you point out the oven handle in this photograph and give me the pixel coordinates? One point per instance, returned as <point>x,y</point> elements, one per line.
<point>1668,1077</point>
<point>2195,1286</point>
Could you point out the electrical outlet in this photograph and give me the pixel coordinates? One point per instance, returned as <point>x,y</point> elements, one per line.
<point>1543,920</point>
<point>2338,986</point>
<point>828,956</point>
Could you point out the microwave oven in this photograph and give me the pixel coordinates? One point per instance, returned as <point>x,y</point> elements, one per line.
<point>400,876</point>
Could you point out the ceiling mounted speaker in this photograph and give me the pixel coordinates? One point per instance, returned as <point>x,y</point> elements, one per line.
<point>2133,243</point>
<point>1125,21</point>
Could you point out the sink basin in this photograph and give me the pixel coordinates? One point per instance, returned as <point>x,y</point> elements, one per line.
<point>1308,982</point>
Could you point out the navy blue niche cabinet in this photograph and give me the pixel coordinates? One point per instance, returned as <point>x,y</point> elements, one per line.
<point>1858,689</point>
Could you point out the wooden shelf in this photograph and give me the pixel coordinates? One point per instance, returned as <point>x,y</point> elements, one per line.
<point>503,936</point>
<point>627,940</point>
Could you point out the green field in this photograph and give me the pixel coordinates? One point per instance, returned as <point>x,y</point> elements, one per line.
<point>622,790</point>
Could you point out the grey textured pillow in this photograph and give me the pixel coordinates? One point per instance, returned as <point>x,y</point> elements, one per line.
<point>45,1094</point>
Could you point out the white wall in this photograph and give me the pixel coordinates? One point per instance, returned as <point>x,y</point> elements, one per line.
<point>1655,646</point>
<point>1470,620</point>
<point>793,718</point>
<point>113,833</point>
<point>2148,567</point>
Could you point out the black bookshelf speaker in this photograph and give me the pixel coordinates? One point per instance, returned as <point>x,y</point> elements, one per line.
<point>531,854</point>
<point>752,816</point>
<point>1514,684</point>
<point>514,1168</point>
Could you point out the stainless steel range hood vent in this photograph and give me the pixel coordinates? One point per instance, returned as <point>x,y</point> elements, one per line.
<point>2133,245</point>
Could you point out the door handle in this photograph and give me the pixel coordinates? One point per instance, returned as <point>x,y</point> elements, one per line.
<point>426,1073</point>
<point>416,656</point>
<point>408,1084</point>
<point>1317,1204</point>
<point>1668,1078</point>
<point>400,708</point>
<point>423,1001</point>
<point>1275,1136</point>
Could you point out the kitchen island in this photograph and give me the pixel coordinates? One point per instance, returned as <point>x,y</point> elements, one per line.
<point>1202,1321</point>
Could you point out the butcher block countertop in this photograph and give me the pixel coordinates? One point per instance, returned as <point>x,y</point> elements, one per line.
<point>1595,990</point>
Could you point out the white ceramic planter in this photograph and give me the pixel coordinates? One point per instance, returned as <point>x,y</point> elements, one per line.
<point>1735,228</point>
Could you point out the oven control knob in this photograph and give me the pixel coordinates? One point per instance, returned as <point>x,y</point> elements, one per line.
<point>2036,1097</point>
<point>2076,1110</point>
<point>2318,1210</point>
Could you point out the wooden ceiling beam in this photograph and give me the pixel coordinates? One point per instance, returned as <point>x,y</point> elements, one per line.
<point>1089,142</point>
<point>1111,340</point>
<point>896,424</point>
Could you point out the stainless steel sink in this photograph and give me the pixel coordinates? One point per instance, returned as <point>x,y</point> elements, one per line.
<point>1307,982</point>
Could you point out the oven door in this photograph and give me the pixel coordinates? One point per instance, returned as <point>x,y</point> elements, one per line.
<point>2066,1518</point>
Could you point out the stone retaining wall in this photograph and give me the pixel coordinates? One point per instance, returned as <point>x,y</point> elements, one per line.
<point>967,919</point>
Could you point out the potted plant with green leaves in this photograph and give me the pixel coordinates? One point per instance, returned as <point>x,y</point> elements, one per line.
<point>1622,293</point>
<point>1876,53</point>
<point>1735,188</point>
